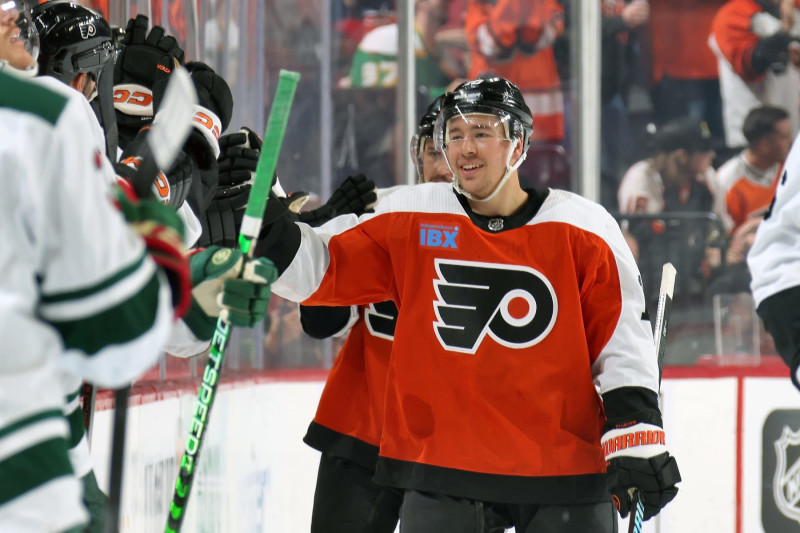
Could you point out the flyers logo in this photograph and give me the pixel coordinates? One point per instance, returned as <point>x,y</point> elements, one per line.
<point>381,319</point>
<point>87,30</point>
<point>515,305</point>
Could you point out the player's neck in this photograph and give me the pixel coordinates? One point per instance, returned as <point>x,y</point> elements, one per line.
<point>508,200</point>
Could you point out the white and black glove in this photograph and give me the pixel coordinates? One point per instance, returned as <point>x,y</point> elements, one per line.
<point>638,459</point>
<point>145,57</point>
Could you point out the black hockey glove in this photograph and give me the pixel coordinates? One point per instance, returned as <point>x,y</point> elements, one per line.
<point>356,194</point>
<point>317,217</point>
<point>144,59</point>
<point>223,217</point>
<point>236,167</point>
<point>771,53</point>
<point>279,238</point>
<point>213,115</point>
<point>170,187</point>
<point>654,477</point>
<point>238,157</point>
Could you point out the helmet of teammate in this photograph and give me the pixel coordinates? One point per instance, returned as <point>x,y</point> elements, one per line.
<point>492,96</point>
<point>73,39</point>
<point>424,134</point>
<point>19,43</point>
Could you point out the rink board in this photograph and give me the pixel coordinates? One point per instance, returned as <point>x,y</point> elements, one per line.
<point>731,429</point>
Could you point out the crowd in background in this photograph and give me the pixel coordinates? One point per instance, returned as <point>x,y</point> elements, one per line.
<point>699,104</point>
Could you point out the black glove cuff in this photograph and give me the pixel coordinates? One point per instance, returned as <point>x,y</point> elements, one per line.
<point>629,405</point>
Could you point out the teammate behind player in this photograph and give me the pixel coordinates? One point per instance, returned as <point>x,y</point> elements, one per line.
<point>347,426</point>
<point>774,262</point>
<point>492,415</point>
<point>429,162</point>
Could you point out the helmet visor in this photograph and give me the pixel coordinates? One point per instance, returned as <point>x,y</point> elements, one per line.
<point>475,125</point>
<point>16,17</point>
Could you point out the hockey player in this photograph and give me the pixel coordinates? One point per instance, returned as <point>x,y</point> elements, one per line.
<point>774,262</point>
<point>347,426</point>
<point>63,287</point>
<point>517,307</point>
<point>429,162</point>
<point>76,50</point>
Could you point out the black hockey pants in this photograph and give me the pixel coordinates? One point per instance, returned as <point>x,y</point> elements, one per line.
<point>346,499</point>
<point>428,513</point>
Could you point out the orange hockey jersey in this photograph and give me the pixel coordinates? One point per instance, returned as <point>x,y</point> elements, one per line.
<point>503,339</point>
<point>349,416</point>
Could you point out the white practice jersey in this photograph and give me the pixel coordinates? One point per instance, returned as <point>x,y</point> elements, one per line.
<point>774,258</point>
<point>78,293</point>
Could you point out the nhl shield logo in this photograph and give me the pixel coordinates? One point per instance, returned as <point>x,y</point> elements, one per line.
<point>786,483</point>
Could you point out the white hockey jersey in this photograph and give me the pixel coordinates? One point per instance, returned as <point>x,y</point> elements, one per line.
<point>77,293</point>
<point>774,258</point>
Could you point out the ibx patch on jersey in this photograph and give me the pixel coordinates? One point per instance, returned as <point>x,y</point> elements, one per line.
<point>439,235</point>
<point>515,305</point>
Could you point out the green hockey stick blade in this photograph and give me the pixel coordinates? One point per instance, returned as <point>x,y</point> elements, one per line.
<point>268,159</point>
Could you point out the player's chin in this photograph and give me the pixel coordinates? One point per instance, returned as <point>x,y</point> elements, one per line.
<point>440,179</point>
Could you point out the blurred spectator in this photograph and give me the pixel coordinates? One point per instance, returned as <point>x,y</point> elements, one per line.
<point>375,60</point>
<point>758,54</point>
<point>619,60</point>
<point>676,178</point>
<point>747,181</point>
<point>684,70</point>
<point>353,26</point>
<point>514,39</point>
<point>733,276</point>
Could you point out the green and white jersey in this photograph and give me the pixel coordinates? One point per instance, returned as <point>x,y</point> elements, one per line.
<point>78,294</point>
<point>375,61</point>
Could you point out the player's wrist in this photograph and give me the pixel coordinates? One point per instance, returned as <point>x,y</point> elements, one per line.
<point>639,440</point>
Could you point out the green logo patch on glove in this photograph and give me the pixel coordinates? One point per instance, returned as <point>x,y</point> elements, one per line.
<point>224,288</point>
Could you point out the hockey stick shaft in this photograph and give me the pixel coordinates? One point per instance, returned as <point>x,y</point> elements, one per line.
<point>88,398</point>
<point>665,293</point>
<point>117,460</point>
<point>163,143</point>
<point>250,229</point>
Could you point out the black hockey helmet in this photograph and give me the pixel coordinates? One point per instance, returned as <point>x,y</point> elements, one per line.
<point>425,128</point>
<point>73,39</point>
<point>425,131</point>
<point>494,95</point>
<point>428,120</point>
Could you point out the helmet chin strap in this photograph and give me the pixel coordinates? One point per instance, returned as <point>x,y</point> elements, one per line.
<point>509,170</point>
<point>29,72</point>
